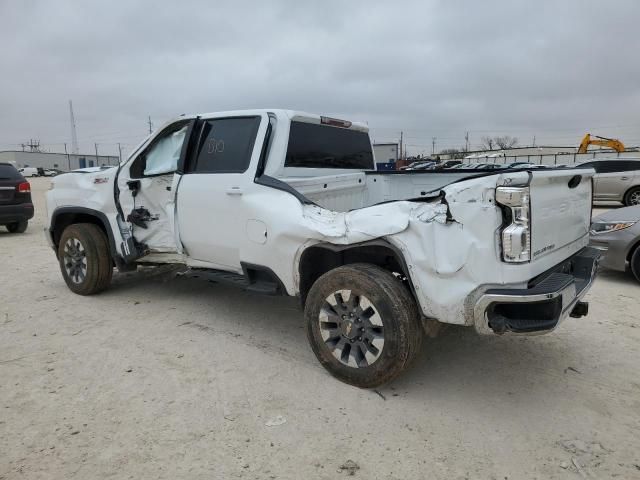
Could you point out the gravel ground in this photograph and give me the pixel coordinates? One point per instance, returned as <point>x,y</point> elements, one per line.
<point>164,377</point>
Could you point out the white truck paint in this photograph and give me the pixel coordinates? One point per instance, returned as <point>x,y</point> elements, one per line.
<point>442,231</point>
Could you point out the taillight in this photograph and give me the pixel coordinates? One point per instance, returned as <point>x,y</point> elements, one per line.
<point>516,236</point>
<point>24,187</point>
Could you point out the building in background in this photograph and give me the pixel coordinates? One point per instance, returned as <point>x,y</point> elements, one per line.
<point>385,155</point>
<point>59,161</point>
<point>385,152</point>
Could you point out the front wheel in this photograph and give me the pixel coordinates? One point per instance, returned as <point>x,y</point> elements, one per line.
<point>363,324</point>
<point>634,263</point>
<point>85,260</point>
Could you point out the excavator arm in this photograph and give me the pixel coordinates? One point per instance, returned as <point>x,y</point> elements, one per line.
<point>613,143</point>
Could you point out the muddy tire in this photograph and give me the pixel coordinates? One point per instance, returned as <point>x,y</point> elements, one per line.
<point>362,324</point>
<point>18,227</point>
<point>632,197</point>
<point>634,263</point>
<point>85,260</point>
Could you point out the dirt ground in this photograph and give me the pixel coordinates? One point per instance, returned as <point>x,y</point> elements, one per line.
<point>163,377</point>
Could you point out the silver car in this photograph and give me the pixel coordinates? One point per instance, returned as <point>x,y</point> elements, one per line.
<point>616,180</point>
<point>617,233</point>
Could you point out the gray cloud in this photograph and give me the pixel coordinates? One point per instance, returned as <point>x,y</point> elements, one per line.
<point>550,69</point>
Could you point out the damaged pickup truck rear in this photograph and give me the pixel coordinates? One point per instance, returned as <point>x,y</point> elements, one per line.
<point>289,203</point>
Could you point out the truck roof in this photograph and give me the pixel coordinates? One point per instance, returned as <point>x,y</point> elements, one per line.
<point>296,115</point>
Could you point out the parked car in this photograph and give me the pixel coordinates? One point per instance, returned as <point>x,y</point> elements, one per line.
<point>427,165</point>
<point>29,171</point>
<point>48,172</point>
<point>616,180</point>
<point>526,165</point>
<point>520,165</point>
<point>617,233</point>
<point>287,203</point>
<point>415,164</point>
<point>448,164</point>
<point>491,166</point>
<point>16,207</point>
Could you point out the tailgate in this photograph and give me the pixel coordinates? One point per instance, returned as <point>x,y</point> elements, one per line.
<point>560,209</point>
<point>7,191</point>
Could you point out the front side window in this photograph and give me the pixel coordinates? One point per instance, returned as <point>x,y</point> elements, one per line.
<point>321,146</point>
<point>226,145</point>
<point>163,156</point>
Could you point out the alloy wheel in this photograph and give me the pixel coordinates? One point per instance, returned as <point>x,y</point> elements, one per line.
<point>351,328</point>
<point>75,260</point>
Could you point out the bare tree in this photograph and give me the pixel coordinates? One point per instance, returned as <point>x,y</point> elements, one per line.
<point>488,142</point>
<point>453,153</point>
<point>506,141</point>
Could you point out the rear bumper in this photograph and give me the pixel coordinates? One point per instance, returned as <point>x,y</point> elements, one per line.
<point>15,213</point>
<point>549,298</point>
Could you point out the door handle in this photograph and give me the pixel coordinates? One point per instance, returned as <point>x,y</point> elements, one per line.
<point>624,178</point>
<point>234,191</point>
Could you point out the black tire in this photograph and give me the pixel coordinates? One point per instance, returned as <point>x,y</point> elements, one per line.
<point>632,197</point>
<point>85,260</point>
<point>401,332</point>
<point>18,227</point>
<point>634,263</point>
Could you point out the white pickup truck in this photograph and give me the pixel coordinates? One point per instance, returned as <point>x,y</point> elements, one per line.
<point>289,203</point>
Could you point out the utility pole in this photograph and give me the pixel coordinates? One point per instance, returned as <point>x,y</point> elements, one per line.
<point>68,157</point>
<point>433,145</point>
<point>74,135</point>
<point>401,148</point>
<point>466,142</point>
<point>119,154</point>
<point>150,125</point>
<point>96,145</point>
<point>534,140</point>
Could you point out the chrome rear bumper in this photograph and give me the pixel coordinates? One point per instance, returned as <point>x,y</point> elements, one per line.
<point>549,298</point>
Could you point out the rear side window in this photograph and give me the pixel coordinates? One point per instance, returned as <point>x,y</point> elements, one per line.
<point>630,165</point>
<point>8,172</point>
<point>614,166</point>
<point>226,145</point>
<point>322,146</point>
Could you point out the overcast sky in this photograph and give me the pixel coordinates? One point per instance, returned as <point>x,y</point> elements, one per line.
<point>553,69</point>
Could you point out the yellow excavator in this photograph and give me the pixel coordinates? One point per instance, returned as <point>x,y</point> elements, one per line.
<point>588,139</point>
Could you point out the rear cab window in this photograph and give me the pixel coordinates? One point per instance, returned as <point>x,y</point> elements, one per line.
<point>314,145</point>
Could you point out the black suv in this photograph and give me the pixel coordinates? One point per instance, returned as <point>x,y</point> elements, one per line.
<point>16,207</point>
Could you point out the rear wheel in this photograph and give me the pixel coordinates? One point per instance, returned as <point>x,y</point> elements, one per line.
<point>632,197</point>
<point>85,260</point>
<point>634,263</point>
<point>18,227</point>
<point>363,324</point>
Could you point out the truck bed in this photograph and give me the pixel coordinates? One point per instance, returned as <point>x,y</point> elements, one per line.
<point>349,191</point>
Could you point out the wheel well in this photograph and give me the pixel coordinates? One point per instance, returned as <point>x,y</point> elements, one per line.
<point>319,259</point>
<point>63,220</point>
<point>624,197</point>
<point>631,250</point>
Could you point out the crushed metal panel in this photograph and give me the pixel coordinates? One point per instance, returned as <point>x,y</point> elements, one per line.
<point>344,228</point>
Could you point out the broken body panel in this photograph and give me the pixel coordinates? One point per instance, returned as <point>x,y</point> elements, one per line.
<point>445,225</point>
